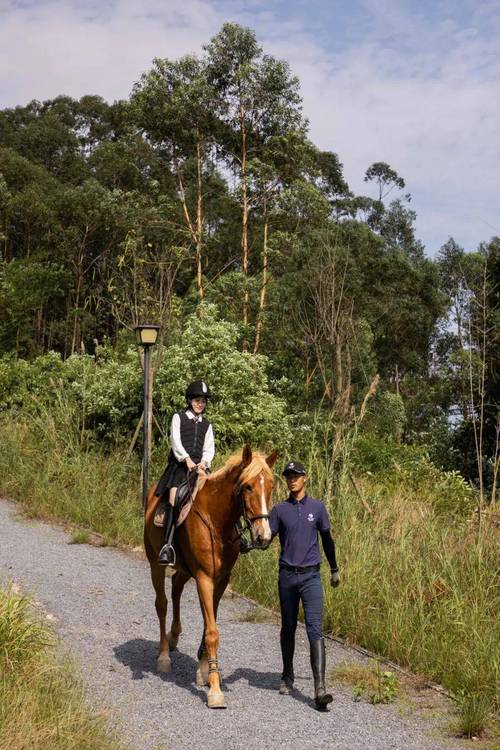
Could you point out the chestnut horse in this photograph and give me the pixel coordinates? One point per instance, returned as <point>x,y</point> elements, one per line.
<point>207,546</point>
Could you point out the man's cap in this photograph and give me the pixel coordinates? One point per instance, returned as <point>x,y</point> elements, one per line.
<point>294,466</point>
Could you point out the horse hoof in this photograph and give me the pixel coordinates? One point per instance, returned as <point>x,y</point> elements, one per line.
<point>163,664</point>
<point>216,701</point>
<point>201,678</point>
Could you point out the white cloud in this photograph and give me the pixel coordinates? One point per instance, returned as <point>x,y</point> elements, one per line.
<point>59,47</point>
<point>419,93</point>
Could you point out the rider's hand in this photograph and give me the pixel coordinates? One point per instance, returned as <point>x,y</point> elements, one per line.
<point>334,579</point>
<point>190,464</point>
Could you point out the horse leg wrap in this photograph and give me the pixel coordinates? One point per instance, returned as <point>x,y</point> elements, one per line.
<point>212,666</point>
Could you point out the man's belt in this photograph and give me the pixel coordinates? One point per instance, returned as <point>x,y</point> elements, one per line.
<point>299,568</point>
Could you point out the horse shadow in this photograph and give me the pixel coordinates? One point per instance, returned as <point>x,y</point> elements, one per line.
<point>140,655</point>
<point>265,681</point>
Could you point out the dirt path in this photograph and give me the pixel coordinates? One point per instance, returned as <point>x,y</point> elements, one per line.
<point>102,603</point>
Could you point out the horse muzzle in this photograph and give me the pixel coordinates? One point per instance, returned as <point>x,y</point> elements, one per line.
<point>262,534</point>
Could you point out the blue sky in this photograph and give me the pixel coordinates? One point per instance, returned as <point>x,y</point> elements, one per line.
<point>415,84</point>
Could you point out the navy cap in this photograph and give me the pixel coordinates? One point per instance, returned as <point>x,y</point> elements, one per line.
<point>294,466</point>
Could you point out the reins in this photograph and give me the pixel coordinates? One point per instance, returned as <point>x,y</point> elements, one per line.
<point>240,528</point>
<point>245,544</point>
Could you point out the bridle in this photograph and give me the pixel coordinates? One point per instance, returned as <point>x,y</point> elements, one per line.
<point>246,527</point>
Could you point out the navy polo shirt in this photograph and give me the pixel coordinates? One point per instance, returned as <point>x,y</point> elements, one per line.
<point>297,522</point>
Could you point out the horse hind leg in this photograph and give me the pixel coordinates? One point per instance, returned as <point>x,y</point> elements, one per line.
<point>202,671</point>
<point>179,580</point>
<point>163,663</point>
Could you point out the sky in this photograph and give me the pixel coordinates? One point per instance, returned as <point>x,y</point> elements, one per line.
<point>415,84</point>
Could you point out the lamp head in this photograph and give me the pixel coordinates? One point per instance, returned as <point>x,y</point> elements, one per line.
<point>146,334</point>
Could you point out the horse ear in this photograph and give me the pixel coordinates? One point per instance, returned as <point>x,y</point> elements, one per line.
<point>271,459</point>
<point>246,457</point>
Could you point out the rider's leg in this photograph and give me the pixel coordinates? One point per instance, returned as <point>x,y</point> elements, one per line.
<point>167,552</point>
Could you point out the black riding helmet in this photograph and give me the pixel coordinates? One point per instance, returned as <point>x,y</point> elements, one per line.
<point>198,389</point>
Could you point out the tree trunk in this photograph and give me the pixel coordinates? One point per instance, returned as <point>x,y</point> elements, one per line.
<point>76,327</point>
<point>244,226</point>
<point>263,289</point>
<point>199,220</point>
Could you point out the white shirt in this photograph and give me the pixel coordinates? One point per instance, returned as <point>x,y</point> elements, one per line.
<point>175,439</point>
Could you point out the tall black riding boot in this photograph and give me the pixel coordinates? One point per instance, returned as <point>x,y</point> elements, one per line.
<point>167,552</point>
<point>287,677</point>
<point>318,663</point>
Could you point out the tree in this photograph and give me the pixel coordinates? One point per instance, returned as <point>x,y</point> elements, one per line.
<point>175,105</point>
<point>385,178</point>
<point>258,100</point>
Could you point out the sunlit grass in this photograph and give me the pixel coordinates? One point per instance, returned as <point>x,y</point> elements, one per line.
<point>42,704</point>
<point>418,585</point>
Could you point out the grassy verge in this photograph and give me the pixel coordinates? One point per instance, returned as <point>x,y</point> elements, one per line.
<point>414,588</point>
<point>419,585</point>
<point>42,705</point>
<point>43,465</point>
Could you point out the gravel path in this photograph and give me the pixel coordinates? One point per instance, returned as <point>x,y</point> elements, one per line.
<point>103,607</point>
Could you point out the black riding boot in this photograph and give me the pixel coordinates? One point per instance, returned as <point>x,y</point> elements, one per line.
<point>287,677</point>
<point>318,663</point>
<point>167,552</point>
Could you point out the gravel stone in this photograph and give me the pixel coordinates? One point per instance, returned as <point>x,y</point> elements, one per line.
<point>102,605</point>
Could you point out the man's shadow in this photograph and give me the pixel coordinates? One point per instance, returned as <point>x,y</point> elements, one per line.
<point>266,681</point>
<point>140,655</point>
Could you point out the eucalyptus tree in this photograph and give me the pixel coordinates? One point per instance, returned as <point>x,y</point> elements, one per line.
<point>384,177</point>
<point>175,105</point>
<point>258,99</point>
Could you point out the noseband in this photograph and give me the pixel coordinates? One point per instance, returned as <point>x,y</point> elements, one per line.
<point>242,528</point>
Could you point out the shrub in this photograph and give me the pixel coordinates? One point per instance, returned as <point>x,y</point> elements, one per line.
<point>242,409</point>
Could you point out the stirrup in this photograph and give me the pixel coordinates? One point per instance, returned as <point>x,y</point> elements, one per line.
<point>166,556</point>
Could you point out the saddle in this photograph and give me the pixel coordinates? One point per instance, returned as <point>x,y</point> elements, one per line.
<point>184,498</point>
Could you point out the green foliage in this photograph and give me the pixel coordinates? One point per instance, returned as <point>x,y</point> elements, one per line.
<point>386,415</point>
<point>379,686</point>
<point>242,409</point>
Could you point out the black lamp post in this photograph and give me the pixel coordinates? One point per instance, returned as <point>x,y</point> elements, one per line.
<point>146,337</point>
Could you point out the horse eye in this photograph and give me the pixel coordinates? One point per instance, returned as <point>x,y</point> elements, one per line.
<point>248,488</point>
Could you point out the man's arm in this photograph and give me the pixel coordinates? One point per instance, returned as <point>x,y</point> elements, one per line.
<point>274,521</point>
<point>329,547</point>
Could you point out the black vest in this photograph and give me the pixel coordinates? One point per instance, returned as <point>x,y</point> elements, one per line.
<point>193,436</point>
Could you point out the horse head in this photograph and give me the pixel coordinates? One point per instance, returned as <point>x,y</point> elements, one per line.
<point>255,486</point>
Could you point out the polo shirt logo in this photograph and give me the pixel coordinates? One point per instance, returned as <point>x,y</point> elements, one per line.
<point>310,517</point>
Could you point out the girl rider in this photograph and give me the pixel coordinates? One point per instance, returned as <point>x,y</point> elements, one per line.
<point>192,448</point>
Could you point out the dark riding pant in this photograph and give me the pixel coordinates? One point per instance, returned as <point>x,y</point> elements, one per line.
<point>294,587</point>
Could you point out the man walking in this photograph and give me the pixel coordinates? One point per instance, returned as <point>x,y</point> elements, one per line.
<point>297,521</point>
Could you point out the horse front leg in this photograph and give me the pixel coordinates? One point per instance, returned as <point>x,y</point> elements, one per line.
<point>206,590</point>
<point>163,663</point>
<point>179,580</point>
<point>202,671</point>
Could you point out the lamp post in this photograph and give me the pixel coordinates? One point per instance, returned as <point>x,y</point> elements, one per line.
<point>146,336</point>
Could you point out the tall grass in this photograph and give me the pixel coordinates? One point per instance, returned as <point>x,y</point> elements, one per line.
<point>418,585</point>
<point>44,465</point>
<point>42,705</point>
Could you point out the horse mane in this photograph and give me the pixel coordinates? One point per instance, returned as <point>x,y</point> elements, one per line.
<point>254,468</point>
